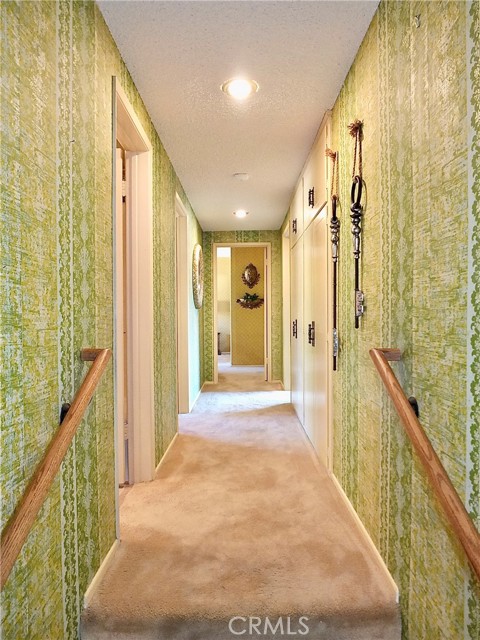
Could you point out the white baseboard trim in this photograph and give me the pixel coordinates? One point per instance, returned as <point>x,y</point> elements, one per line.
<point>100,573</point>
<point>365,532</point>
<point>166,453</point>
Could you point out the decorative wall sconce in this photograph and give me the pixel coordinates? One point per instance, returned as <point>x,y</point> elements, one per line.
<point>197,276</point>
<point>250,301</point>
<point>356,131</point>
<point>250,276</point>
<point>335,239</point>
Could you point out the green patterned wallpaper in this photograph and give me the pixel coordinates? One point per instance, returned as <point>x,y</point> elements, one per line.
<point>409,85</point>
<point>275,239</point>
<point>57,63</point>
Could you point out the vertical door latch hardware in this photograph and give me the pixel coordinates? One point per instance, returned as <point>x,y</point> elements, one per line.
<point>294,226</point>
<point>311,197</point>
<point>335,343</point>
<point>359,303</point>
<point>294,329</point>
<point>311,333</point>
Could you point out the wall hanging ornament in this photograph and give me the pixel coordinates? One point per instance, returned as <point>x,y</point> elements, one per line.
<point>250,301</point>
<point>197,276</point>
<point>335,239</point>
<point>356,209</point>
<point>250,276</point>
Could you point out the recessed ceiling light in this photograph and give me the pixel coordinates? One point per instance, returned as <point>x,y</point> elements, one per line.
<point>241,176</point>
<point>239,88</point>
<point>240,213</point>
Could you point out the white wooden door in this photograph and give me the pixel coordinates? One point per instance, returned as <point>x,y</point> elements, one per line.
<point>266,314</point>
<point>315,335</point>
<point>296,327</point>
<point>121,296</point>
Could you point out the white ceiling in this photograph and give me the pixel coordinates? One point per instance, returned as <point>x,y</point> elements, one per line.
<point>179,52</point>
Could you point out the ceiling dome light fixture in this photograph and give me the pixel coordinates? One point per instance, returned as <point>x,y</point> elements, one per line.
<point>243,177</point>
<point>240,213</point>
<point>239,88</point>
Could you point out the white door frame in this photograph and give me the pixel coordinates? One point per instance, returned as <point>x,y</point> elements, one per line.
<point>268,303</point>
<point>128,130</point>
<point>286,306</point>
<point>183,270</point>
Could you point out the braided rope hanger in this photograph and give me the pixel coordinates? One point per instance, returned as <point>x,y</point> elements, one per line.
<point>356,131</point>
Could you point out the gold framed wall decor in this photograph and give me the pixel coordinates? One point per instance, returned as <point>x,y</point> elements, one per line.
<point>250,276</point>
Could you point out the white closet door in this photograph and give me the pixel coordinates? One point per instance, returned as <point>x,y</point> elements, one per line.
<point>315,328</point>
<point>296,320</point>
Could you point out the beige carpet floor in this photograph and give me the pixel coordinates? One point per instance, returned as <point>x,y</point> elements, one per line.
<point>241,522</point>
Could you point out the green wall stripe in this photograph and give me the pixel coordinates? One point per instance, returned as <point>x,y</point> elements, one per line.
<point>71,596</point>
<point>472,621</point>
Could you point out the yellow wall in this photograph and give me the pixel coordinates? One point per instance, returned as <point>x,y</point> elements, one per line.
<point>248,325</point>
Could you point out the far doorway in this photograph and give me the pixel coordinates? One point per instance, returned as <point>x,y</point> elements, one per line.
<point>242,318</point>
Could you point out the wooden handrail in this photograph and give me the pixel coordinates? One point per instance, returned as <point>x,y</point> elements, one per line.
<point>445,492</point>
<point>18,527</point>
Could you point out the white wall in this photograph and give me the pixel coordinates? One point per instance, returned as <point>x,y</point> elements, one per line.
<point>223,302</point>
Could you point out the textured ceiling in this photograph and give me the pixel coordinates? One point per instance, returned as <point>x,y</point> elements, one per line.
<point>180,52</point>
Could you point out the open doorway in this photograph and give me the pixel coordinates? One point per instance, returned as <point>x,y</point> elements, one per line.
<point>242,316</point>
<point>133,295</point>
<point>223,305</point>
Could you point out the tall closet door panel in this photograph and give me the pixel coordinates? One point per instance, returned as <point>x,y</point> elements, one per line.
<point>315,341</point>
<point>296,327</point>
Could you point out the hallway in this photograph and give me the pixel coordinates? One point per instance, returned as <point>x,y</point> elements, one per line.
<point>110,286</point>
<point>241,521</point>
